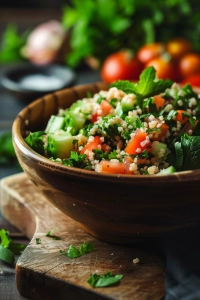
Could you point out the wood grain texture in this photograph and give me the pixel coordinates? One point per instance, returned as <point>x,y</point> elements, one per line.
<point>43,273</point>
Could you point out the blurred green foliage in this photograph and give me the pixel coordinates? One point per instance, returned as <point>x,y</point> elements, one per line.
<point>11,44</point>
<point>101,27</point>
<point>7,152</point>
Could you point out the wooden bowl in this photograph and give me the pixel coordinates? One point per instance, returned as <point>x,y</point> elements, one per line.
<point>115,208</point>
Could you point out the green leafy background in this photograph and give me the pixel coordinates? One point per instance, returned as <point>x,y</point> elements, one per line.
<point>103,26</point>
<point>98,28</point>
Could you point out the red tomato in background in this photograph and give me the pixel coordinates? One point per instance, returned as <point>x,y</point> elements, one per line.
<point>165,69</point>
<point>121,65</point>
<point>189,64</point>
<point>194,80</point>
<point>178,47</point>
<point>150,51</point>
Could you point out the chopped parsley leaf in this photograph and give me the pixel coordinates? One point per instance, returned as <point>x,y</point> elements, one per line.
<point>38,241</point>
<point>107,279</point>
<point>74,252</point>
<point>77,160</point>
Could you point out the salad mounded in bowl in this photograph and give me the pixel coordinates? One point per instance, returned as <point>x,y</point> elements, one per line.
<point>146,128</point>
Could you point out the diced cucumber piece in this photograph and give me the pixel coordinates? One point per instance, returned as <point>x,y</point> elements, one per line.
<point>132,120</point>
<point>78,104</point>
<point>54,124</point>
<point>126,105</point>
<point>158,149</point>
<point>122,108</point>
<point>118,110</point>
<point>60,145</point>
<point>166,171</point>
<point>74,121</point>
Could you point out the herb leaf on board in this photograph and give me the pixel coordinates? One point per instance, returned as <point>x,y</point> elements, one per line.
<point>74,252</point>
<point>107,279</point>
<point>8,248</point>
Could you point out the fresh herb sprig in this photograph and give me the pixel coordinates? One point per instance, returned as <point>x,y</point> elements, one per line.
<point>74,252</point>
<point>147,86</point>
<point>107,279</point>
<point>8,248</point>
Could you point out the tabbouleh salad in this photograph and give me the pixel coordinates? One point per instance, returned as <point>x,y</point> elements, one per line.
<point>146,128</point>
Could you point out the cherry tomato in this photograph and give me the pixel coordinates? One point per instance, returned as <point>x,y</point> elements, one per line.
<point>150,51</point>
<point>194,80</point>
<point>189,64</point>
<point>165,69</point>
<point>121,65</point>
<point>178,47</point>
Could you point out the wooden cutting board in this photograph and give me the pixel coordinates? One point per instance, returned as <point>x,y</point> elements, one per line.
<point>43,273</point>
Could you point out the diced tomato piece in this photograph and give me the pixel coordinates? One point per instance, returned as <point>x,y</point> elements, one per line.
<point>112,167</point>
<point>94,117</point>
<point>180,117</point>
<point>159,102</point>
<point>139,143</point>
<point>158,135</point>
<point>105,107</point>
<point>94,144</point>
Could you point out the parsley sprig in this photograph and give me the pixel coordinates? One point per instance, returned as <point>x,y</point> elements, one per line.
<point>147,86</point>
<point>8,248</point>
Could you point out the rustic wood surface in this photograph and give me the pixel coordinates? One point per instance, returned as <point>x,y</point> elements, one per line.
<point>43,273</point>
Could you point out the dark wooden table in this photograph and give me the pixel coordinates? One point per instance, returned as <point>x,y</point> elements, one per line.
<point>9,108</point>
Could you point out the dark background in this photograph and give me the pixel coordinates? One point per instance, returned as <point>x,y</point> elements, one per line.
<point>33,4</point>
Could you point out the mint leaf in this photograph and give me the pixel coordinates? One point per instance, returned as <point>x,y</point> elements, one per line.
<point>146,87</point>
<point>191,152</point>
<point>125,85</point>
<point>74,252</point>
<point>179,155</point>
<point>107,279</point>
